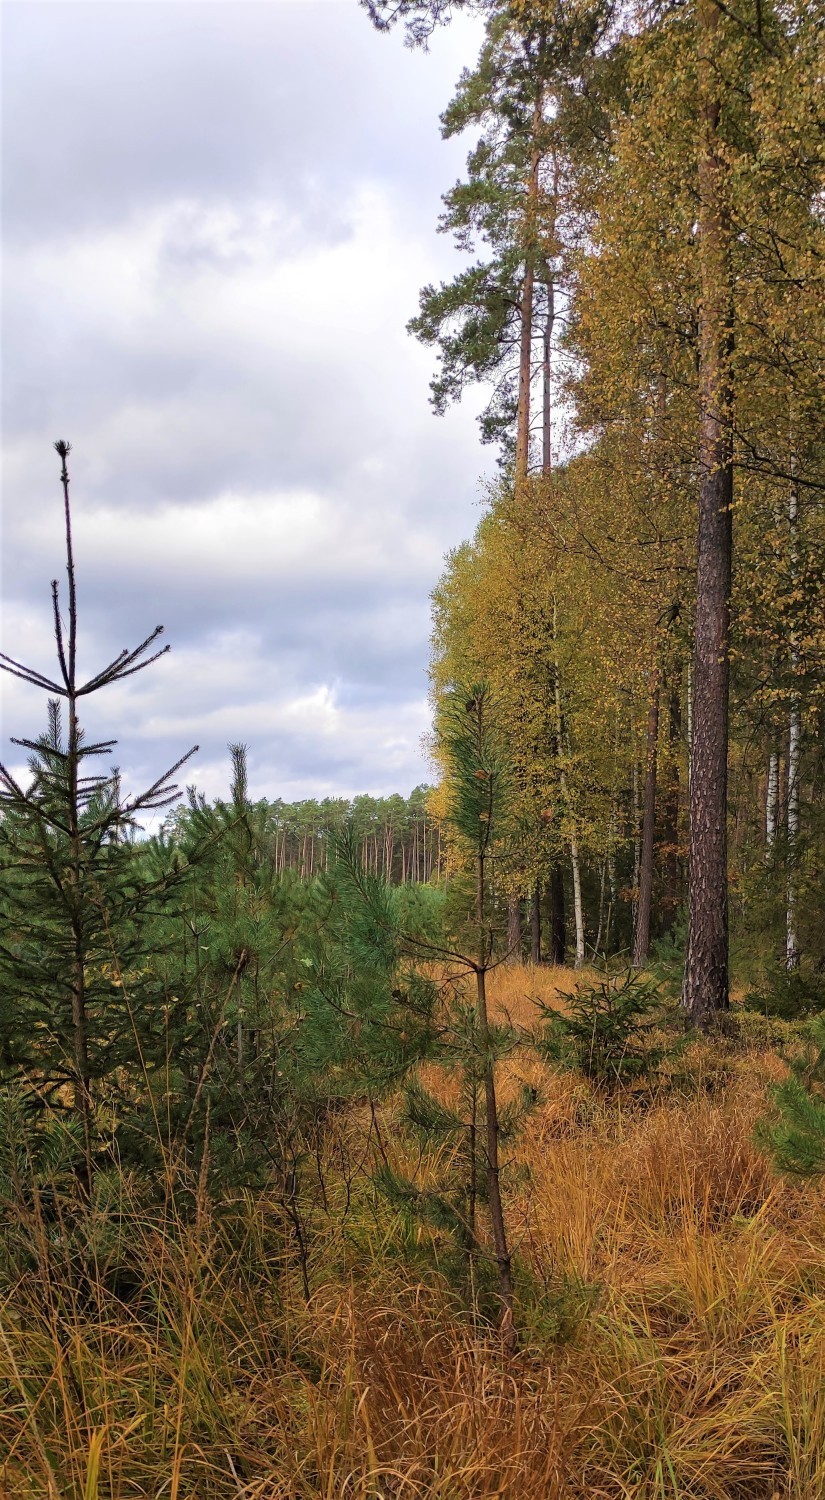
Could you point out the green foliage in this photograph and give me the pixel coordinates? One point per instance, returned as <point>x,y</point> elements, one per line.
<point>788,995</point>
<point>608,1029</point>
<point>477,769</point>
<point>795,1135</point>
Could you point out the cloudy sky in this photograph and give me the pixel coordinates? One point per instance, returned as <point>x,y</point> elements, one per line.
<point>216,220</point>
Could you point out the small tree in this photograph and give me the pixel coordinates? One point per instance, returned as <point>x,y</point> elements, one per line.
<point>795,1136</point>
<point>436,1016</point>
<point>477,780</point>
<point>608,1029</point>
<point>76,999</point>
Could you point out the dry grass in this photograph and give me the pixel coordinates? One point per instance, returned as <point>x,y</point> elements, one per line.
<point>673,1309</point>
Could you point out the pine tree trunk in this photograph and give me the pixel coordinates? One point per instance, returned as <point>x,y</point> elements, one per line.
<point>547,379</point>
<point>689,706</point>
<point>558,920</point>
<point>578,910</point>
<point>670,821</point>
<point>641,940</point>
<point>792,953</point>
<point>558,943</point>
<point>535,924</point>
<point>513,930</point>
<point>637,831</point>
<point>502,1251</point>
<point>706,965</point>
<point>525,372</point>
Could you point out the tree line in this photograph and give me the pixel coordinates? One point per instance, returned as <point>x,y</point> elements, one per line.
<point>646,592</point>
<point>396,837</point>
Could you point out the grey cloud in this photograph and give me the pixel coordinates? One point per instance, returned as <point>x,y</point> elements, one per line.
<point>217,220</point>
<point>110,105</point>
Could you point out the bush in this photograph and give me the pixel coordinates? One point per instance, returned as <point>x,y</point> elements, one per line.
<point>608,1029</point>
<point>788,996</point>
<point>795,1135</point>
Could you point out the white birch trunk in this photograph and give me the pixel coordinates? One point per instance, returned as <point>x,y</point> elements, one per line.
<point>772,799</point>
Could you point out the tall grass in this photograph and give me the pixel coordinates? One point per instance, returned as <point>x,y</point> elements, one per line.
<point>672,1306</point>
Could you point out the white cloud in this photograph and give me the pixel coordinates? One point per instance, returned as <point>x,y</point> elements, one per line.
<point>216,319</point>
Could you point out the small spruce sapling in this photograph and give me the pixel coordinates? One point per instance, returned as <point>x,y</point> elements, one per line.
<point>606,1029</point>
<point>795,1135</point>
<point>75,901</point>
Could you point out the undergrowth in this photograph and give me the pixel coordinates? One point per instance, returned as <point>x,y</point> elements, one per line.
<point>671,1312</point>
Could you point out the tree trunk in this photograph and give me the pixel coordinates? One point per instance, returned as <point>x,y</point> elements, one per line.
<point>578,911</point>
<point>558,936</point>
<point>502,1251</point>
<point>513,930</point>
<point>641,940</point>
<point>614,895</point>
<point>525,370</point>
<point>602,899</point>
<point>794,738</point>
<point>524,378</point>
<point>794,746</point>
<point>706,965</point>
<point>772,799</point>
<point>670,822</point>
<point>535,924</point>
<point>578,908</point>
<point>558,921</point>
<point>689,708</point>
<point>547,379</point>
<point>637,840</point>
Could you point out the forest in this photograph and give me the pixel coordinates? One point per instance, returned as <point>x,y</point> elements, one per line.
<point>470,1144</point>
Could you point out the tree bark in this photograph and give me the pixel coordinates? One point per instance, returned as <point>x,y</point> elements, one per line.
<point>578,906</point>
<point>525,372</point>
<point>535,924</point>
<point>641,940</point>
<point>558,920</point>
<point>578,910</point>
<point>670,821</point>
<point>513,930</point>
<point>706,965</point>
<point>637,833</point>
<point>792,954</point>
<point>502,1251</point>
<point>772,799</point>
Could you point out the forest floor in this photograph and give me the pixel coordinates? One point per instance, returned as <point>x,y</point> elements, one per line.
<point>671,1306</point>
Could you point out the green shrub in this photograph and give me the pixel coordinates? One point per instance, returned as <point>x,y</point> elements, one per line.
<point>789,996</point>
<point>795,1134</point>
<point>608,1029</point>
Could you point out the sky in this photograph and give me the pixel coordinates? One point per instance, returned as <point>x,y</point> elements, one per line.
<point>216,221</point>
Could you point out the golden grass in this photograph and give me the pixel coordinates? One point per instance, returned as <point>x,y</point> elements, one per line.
<point>672,1307</point>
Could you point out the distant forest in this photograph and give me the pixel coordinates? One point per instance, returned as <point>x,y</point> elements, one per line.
<point>394,836</point>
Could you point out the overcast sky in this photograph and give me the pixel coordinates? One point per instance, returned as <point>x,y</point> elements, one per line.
<point>216,221</point>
